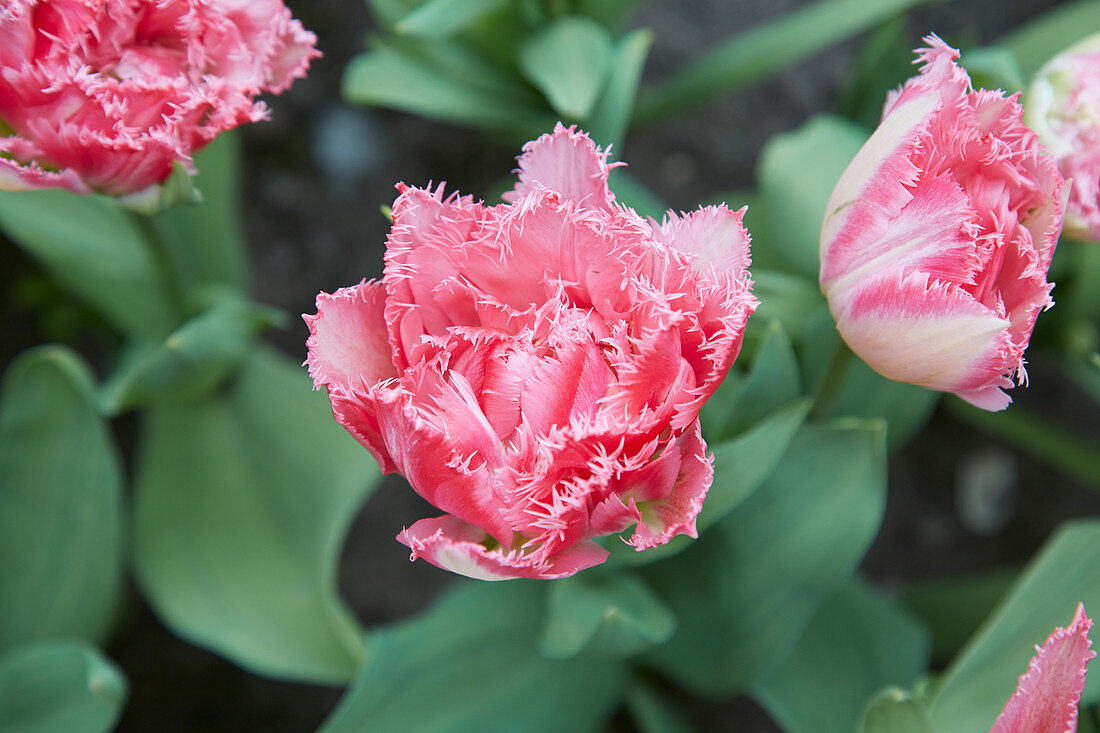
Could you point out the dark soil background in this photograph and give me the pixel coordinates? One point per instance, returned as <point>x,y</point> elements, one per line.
<point>315,176</point>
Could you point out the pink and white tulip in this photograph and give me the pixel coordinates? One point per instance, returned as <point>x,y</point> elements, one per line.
<point>938,237</point>
<point>1063,107</point>
<point>535,369</point>
<point>1048,694</point>
<point>105,96</point>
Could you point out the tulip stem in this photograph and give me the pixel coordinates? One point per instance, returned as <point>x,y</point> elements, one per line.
<point>834,378</point>
<point>1059,448</point>
<point>162,262</point>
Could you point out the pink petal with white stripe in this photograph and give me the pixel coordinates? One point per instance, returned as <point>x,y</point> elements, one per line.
<point>1048,694</point>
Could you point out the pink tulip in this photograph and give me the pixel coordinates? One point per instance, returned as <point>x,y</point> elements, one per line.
<point>1063,107</point>
<point>535,369</point>
<point>938,237</point>
<point>1048,694</point>
<point>105,95</point>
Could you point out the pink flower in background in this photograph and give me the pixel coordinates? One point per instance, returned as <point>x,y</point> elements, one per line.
<point>938,237</point>
<point>536,368</point>
<point>1063,107</point>
<point>105,95</point>
<point>1048,694</point>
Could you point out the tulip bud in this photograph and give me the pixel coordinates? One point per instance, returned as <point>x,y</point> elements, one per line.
<point>938,237</point>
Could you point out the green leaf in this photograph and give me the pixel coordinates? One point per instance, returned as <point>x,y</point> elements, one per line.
<point>569,62</point>
<point>763,51</point>
<point>895,711</point>
<point>857,643</point>
<point>630,192</point>
<point>242,504</point>
<point>388,12</point>
<point>601,614</point>
<point>470,664</point>
<point>443,18</point>
<point>394,76</point>
<point>193,360</point>
<point>983,676</point>
<point>772,383</point>
<point>91,246</point>
<point>797,173</point>
<point>612,113</point>
<point>993,67</point>
<point>866,393</point>
<point>954,608</point>
<point>1039,39</point>
<point>59,687</point>
<point>795,302</point>
<point>744,592</point>
<point>178,189</point>
<point>206,241</point>
<point>884,62</point>
<point>60,503</point>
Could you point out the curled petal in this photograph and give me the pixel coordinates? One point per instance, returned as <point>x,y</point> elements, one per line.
<point>669,510</point>
<point>568,162</point>
<point>347,341</point>
<point>1048,694</point>
<point>451,544</point>
<point>714,238</point>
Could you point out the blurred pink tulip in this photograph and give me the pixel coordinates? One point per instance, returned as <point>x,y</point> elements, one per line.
<point>1048,694</point>
<point>938,237</point>
<point>106,95</point>
<point>536,368</point>
<point>1063,107</point>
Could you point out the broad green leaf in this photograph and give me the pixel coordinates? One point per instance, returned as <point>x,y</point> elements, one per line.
<point>242,503</point>
<point>651,713</point>
<point>954,608</point>
<point>61,533</point>
<point>612,113</point>
<point>630,192</point>
<point>772,383</point>
<point>796,174</point>
<point>983,676</point>
<point>390,77</point>
<point>470,664</point>
<point>206,241</point>
<point>568,62</point>
<point>612,13</point>
<point>866,393</point>
<point>993,67</point>
<point>740,467</point>
<point>59,687</point>
<point>193,360</point>
<point>856,644</point>
<point>95,249</point>
<point>762,51</point>
<point>603,614</point>
<point>1056,30</point>
<point>442,18</point>
<point>744,592</point>
<point>388,12</point>
<point>884,62</point>
<point>895,711</point>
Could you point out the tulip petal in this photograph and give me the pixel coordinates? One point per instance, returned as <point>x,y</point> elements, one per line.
<point>568,162</point>
<point>888,323</point>
<point>674,513</point>
<point>454,545</point>
<point>347,344</point>
<point>1048,694</point>
<point>713,237</point>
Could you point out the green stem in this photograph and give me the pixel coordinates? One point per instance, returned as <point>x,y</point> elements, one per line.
<point>753,56</point>
<point>835,375</point>
<point>1050,442</point>
<point>166,270</point>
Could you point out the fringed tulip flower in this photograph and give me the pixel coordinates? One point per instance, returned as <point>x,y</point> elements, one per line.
<point>106,95</point>
<point>938,237</point>
<point>1048,694</point>
<point>535,369</point>
<point>1063,107</point>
